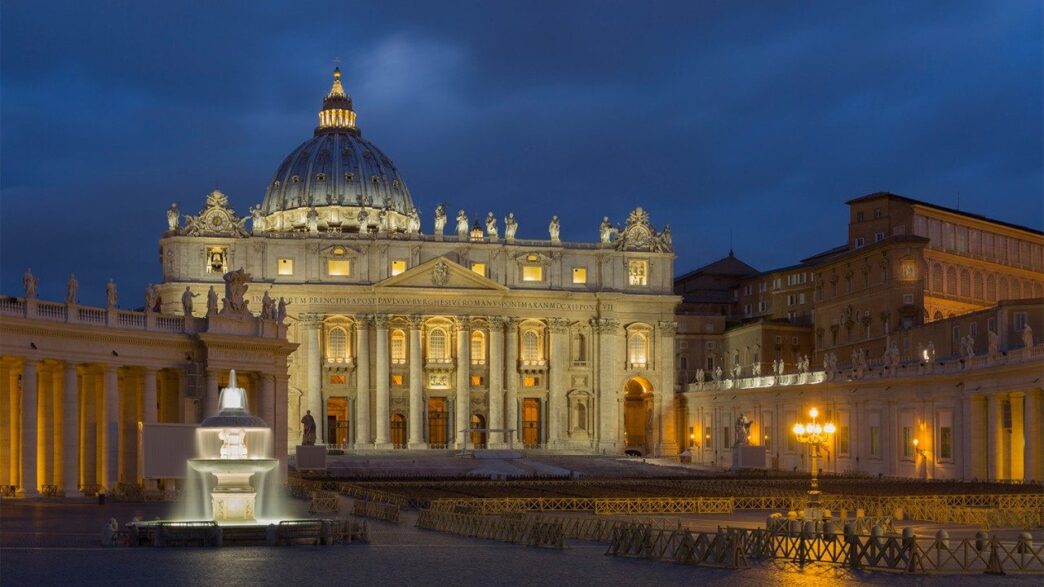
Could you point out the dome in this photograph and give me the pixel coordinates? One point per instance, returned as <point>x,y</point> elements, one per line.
<point>336,168</point>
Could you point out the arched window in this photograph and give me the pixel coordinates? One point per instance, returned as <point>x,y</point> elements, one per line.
<point>977,286</point>
<point>991,288</point>
<point>398,346</point>
<point>937,278</point>
<point>337,345</point>
<point>478,346</point>
<point>529,346</point>
<point>951,281</point>
<point>437,344</point>
<point>579,347</point>
<point>966,283</point>
<point>581,416</point>
<point>637,349</point>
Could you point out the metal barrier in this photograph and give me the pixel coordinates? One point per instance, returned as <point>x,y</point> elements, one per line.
<point>598,505</point>
<point>388,512</point>
<point>532,532</point>
<point>324,502</point>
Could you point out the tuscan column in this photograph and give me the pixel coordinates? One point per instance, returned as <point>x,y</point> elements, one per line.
<point>111,428</point>
<point>416,439</point>
<point>558,365</point>
<point>668,421</point>
<point>463,419</point>
<point>995,436</point>
<point>608,333</point>
<point>183,377</point>
<point>45,422</point>
<point>15,430</point>
<point>383,422</point>
<point>70,432</point>
<point>511,399</point>
<point>150,399</point>
<point>362,380</point>
<point>280,433</point>
<point>6,425</point>
<point>267,408</point>
<point>496,381</point>
<point>1032,435</point>
<point>211,400</point>
<point>313,330</point>
<point>28,426</point>
<point>1017,435</point>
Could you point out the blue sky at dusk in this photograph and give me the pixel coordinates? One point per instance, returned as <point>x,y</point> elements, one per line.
<point>757,117</point>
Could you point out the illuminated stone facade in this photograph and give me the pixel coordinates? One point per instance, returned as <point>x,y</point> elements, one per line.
<point>436,336</point>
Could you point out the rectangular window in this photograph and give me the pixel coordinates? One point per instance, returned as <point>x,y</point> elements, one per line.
<point>907,442</point>
<point>859,242</point>
<point>710,363</point>
<point>338,267</point>
<point>907,298</point>
<point>946,443</point>
<point>397,379</point>
<point>1019,321</point>
<point>766,437</point>
<point>579,274</point>
<point>638,272</point>
<point>476,381</point>
<point>285,266</point>
<point>480,268</point>
<point>878,237</point>
<point>532,273</point>
<point>791,300</point>
<point>530,381</point>
<point>728,441</point>
<point>762,306</point>
<point>801,298</point>
<point>338,379</point>
<point>842,439</point>
<point>875,441</point>
<point>991,324</point>
<point>217,260</point>
<point>398,266</point>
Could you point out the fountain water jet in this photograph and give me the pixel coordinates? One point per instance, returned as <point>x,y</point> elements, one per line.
<point>233,447</point>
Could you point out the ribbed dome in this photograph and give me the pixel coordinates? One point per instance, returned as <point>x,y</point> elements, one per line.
<point>337,167</point>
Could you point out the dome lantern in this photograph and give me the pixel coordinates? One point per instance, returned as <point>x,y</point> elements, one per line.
<point>337,114</point>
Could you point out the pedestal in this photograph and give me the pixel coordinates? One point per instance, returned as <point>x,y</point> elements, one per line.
<point>749,457</point>
<point>311,458</point>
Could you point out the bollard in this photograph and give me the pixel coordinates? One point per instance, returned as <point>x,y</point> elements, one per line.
<point>792,515</point>
<point>324,533</point>
<point>942,540</point>
<point>272,535</point>
<point>794,527</point>
<point>852,538</point>
<point>830,530</point>
<point>981,537</point>
<point>1025,543</point>
<point>910,550</point>
<point>826,514</point>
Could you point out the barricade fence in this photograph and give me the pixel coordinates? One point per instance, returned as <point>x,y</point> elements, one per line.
<point>388,512</point>
<point>516,530</point>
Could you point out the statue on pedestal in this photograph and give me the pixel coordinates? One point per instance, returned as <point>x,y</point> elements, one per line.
<point>173,216</point>
<point>755,369</point>
<point>743,430</point>
<point>308,429</point>
<point>112,297</point>
<point>29,282</point>
<point>235,294</point>
<point>382,220</point>
<point>267,307</point>
<point>1027,336</point>
<point>554,228</point>
<point>257,220</point>
<point>312,220</point>
<point>364,221</point>
<point>462,224</point>
<point>510,226</point>
<point>413,226</point>
<point>440,219</point>
<point>700,377</point>
<point>71,288</point>
<point>994,345</point>
<point>151,297</point>
<point>212,302</point>
<point>491,227</point>
<point>717,374</point>
<point>281,310</point>
<point>605,230</point>
<point>186,301</point>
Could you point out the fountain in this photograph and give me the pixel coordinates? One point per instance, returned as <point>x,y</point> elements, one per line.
<point>232,445</point>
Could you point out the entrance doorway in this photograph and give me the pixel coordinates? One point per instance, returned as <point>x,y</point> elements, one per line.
<point>638,415</point>
<point>337,421</point>
<point>531,422</point>
<point>478,431</point>
<point>438,423</point>
<point>398,431</point>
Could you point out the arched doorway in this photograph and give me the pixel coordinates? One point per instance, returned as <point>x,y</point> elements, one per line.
<point>638,415</point>
<point>478,431</point>
<point>398,431</point>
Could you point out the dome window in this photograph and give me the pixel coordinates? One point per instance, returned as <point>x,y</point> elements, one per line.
<point>376,180</point>
<point>349,177</point>
<point>320,177</point>
<point>295,179</point>
<point>276,184</point>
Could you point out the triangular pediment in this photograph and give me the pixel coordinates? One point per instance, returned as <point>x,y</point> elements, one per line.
<point>441,273</point>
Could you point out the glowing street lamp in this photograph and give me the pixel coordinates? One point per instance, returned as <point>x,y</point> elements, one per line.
<point>814,435</point>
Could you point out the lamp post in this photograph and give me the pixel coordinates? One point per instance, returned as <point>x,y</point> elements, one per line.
<point>814,435</point>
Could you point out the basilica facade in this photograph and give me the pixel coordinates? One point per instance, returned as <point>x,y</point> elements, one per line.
<point>450,334</point>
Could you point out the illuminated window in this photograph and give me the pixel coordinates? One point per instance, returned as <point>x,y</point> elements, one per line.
<point>946,443</point>
<point>397,379</point>
<point>398,266</point>
<point>637,349</point>
<point>532,273</point>
<point>286,266</point>
<point>529,346</point>
<point>338,380</point>
<point>437,344</point>
<point>337,267</point>
<point>476,381</point>
<point>579,274</point>
<point>337,345</point>
<point>638,272</point>
<point>479,268</point>
<point>478,346</point>
<point>907,442</point>
<point>530,381</point>
<point>398,346</point>
<point>217,257</point>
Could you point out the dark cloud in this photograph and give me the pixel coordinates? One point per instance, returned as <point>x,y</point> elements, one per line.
<point>757,118</point>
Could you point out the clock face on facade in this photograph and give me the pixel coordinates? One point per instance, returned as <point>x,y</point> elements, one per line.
<point>216,221</point>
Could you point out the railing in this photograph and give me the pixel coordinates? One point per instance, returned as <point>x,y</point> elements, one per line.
<point>50,311</point>
<point>171,323</point>
<point>388,512</point>
<point>130,319</point>
<point>92,315</point>
<point>529,531</point>
<point>598,505</point>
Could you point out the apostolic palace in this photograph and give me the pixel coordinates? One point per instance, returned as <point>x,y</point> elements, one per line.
<point>403,325</point>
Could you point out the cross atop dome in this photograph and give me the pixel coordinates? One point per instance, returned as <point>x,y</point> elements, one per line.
<point>337,114</point>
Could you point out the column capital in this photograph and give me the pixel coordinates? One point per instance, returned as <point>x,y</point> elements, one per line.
<point>311,319</point>
<point>558,325</point>
<point>511,323</point>
<point>496,323</point>
<point>668,327</point>
<point>462,323</point>
<point>415,320</point>
<point>380,321</point>
<point>605,326</point>
<point>363,321</point>
<point>71,366</point>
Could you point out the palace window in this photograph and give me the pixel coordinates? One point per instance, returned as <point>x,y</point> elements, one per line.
<point>338,267</point>
<point>638,272</point>
<point>530,350</point>
<point>945,443</point>
<point>337,345</point>
<point>532,273</point>
<point>479,268</point>
<point>859,242</point>
<point>842,439</point>
<point>579,348</point>
<point>397,379</point>
<point>478,346</point>
<point>437,344</point>
<point>907,442</point>
<point>878,237</point>
<point>217,260</point>
<point>398,346</point>
<point>398,266</point>
<point>638,349</point>
<point>1019,321</point>
<point>875,441</point>
<point>579,275</point>
<point>285,266</point>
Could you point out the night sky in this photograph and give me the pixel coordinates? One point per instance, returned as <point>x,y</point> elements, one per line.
<point>758,118</point>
